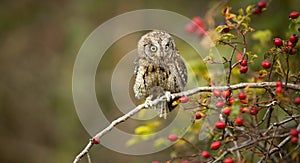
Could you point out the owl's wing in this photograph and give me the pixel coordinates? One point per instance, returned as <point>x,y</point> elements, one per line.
<point>135,66</point>
<point>180,72</point>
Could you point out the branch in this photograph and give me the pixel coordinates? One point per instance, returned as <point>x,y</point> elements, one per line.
<point>184,93</point>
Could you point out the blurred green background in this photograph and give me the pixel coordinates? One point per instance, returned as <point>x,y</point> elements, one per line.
<point>39,41</point>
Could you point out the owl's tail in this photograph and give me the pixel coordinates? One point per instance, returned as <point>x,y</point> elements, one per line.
<point>164,107</point>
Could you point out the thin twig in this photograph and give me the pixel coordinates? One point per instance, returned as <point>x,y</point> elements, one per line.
<point>184,93</point>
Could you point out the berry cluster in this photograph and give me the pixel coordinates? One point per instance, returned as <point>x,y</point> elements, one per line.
<point>261,5</point>
<point>197,26</point>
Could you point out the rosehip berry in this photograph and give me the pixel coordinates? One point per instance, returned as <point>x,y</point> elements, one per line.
<point>290,44</point>
<point>238,121</point>
<point>220,125</point>
<point>226,30</point>
<point>278,84</point>
<point>231,100</point>
<point>172,137</point>
<point>183,99</point>
<point>220,104</point>
<point>294,139</point>
<point>155,162</point>
<point>228,160</point>
<point>266,64</point>
<point>205,154</point>
<point>215,145</point>
<point>278,90</point>
<point>294,15</point>
<point>95,140</point>
<point>297,100</point>
<point>257,11</point>
<point>227,111</point>
<point>294,132</point>
<point>217,92</point>
<point>278,42</point>
<point>243,63</point>
<point>262,4</point>
<point>253,111</point>
<point>293,51</point>
<point>239,56</point>
<point>191,28</point>
<point>198,21</point>
<point>198,116</point>
<point>294,38</point>
<point>243,69</point>
<point>242,96</point>
<point>226,94</point>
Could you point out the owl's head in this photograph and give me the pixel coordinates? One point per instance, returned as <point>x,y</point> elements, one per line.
<point>156,46</point>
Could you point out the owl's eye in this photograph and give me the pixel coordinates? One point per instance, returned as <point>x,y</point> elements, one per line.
<point>167,46</point>
<point>153,48</point>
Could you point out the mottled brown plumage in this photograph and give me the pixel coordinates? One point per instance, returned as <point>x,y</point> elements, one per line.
<point>158,69</point>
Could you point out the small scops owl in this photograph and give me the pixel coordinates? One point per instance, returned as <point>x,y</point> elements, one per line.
<point>158,69</point>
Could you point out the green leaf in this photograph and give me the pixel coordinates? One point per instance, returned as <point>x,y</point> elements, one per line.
<point>249,9</point>
<point>142,130</point>
<point>263,36</point>
<point>241,11</point>
<point>159,142</point>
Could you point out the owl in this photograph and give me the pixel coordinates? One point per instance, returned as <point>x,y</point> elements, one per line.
<point>158,70</point>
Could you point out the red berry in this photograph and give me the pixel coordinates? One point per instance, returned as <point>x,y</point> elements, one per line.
<point>183,99</point>
<point>198,116</point>
<point>294,139</point>
<point>297,100</point>
<point>228,160</point>
<point>227,111</point>
<point>220,104</point>
<point>226,30</point>
<point>253,111</point>
<point>226,94</point>
<point>278,90</point>
<point>266,64</point>
<point>242,96</point>
<point>290,44</point>
<point>191,28</point>
<point>278,84</point>
<point>217,92</point>
<point>198,21</point>
<point>205,154</point>
<point>294,132</point>
<point>215,145</point>
<point>172,137</point>
<point>294,38</point>
<point>294,15</point>
<point>231,100</point>
<point>243,69</point>
<point>238,121</point>
<point>95,140</point>
<point>185,161</point>
<point>262,4</point>
<point>239,56</point>
<point>220,125</point>
<point>278,42</point>
<point>257,11</point>
<point>293,51</point>
<point>243,63</point>
<point>155,162</point>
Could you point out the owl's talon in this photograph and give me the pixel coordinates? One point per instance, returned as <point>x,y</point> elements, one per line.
<point>148,103</point>
<point>169,96</point>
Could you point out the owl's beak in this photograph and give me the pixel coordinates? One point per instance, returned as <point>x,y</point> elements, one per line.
<point>161,54</point>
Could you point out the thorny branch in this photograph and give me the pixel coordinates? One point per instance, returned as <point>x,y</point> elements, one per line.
<point>186,93</point>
